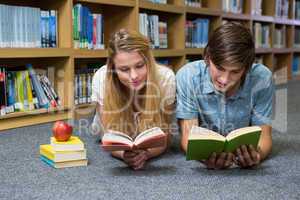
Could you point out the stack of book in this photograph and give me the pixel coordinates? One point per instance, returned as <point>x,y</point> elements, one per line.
<point>64,154</point>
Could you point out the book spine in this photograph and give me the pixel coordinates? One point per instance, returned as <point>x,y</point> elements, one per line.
<point>10,90</point>
<point>50,98</point>
<point>43,101</point>
<point>2,92</point>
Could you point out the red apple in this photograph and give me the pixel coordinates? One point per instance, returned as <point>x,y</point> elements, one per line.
<point>62,131</point>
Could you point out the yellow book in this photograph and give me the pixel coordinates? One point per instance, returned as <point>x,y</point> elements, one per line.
<point>47,151</point>
<point>73,144</point>
<point>29,92</point>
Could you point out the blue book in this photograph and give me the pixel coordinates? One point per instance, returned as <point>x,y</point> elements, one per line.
<point>42,98</point>
<point>206,31</point>
<point>295,67</point>
<point>52,28</point>
<point>10,92</point>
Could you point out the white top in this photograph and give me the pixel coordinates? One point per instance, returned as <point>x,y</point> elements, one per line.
<point>166,82</point>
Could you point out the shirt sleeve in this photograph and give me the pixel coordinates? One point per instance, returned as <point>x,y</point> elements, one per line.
<point>186,107</point>
<point>98,86</point>
<point>263,102</point>
<point>169,88</point>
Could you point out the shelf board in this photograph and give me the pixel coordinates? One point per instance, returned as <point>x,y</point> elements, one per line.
<point>144,4</point>
<point>282,50</point>
<point>194,51</point>
<point>236,16</point>
<point>202,11</point>
<point>295,77</point>
<point>263,50</point>
<point>126,3</point>
<point>85,53</point>
<point>33,112</point>
<point>279,20</point>
<point>85,105</point>
<point>84,110</point>
<point>34,52</point>
<point>296,49</point>
<point>262,18</point>
<point>168,52</point>
<point>22,119</point>
<point>297,22</point>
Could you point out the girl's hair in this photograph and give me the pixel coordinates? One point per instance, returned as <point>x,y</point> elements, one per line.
<point>231,44</point>
<point>118,111</point>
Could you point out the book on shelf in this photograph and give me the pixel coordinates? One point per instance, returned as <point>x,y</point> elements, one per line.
<point>203,142</point>
<point>47,151</point>
<point>29,27</point>
<point>193,3</point>
<point>282,8</point>
<point>234,6</point>
<point>279,37</point>
<point>83,83</point>
<point>2,92</point>
<point>156,30</point>
<point>261,33</point>
<point>117,141</point>
<point>65,164</point>
<point>159,1</point>
<point>256,6</point>
<point>296,66</point>
<point>24,90</point>
<point>73,144</point>
<point>297,10</point>
<point>196,33</point>
<point>88,29</point>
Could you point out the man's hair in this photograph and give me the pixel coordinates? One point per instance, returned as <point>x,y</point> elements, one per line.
<point>231,44</point>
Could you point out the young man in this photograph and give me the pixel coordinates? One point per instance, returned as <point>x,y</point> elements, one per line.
<point>226,91</point>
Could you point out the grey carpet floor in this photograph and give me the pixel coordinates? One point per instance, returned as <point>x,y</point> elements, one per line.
<point>24,176</point>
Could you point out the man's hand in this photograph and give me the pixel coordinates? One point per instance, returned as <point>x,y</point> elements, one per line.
<point>135,159</point>
<point>221,161</point>
<point>247,156</point>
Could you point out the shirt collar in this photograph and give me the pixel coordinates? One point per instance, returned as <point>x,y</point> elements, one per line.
<point>207,84</point>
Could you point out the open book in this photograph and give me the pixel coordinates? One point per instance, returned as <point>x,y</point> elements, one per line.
<point>203,142</point>
<point>150,138</point>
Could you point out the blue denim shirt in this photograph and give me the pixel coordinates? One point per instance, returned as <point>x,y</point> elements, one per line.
<point>197,99</point>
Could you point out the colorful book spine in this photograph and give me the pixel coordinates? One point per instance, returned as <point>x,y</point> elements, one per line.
<point>42,99</point>
<point>2,91</point>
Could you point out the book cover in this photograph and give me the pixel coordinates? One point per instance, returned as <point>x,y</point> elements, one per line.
<point>203,142</point>
<point>117,141</point>
<point>58,165</point>
<point>47,151</point>
<point>73,144</point>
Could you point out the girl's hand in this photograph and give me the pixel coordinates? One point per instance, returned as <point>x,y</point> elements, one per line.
<point>136,159</point>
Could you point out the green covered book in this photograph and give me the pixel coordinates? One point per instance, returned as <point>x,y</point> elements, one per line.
<point>203,142</point>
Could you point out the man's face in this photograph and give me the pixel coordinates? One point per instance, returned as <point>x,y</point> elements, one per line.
<point>226,79</point>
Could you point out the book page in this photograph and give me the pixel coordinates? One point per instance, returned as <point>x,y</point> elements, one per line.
<point>112,137</point>
<point>242,131</point>
<point>204,133</point>
<point>149,133</point>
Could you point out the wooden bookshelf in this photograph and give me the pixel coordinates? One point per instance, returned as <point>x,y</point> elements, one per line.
<point>119,14</point>
<point>34,52</point>
<point>167,8</point>
<point>83,53</point>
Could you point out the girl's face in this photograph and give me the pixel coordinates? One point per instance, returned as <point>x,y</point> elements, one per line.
<point>226,79</point>
<point>131,69</point>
